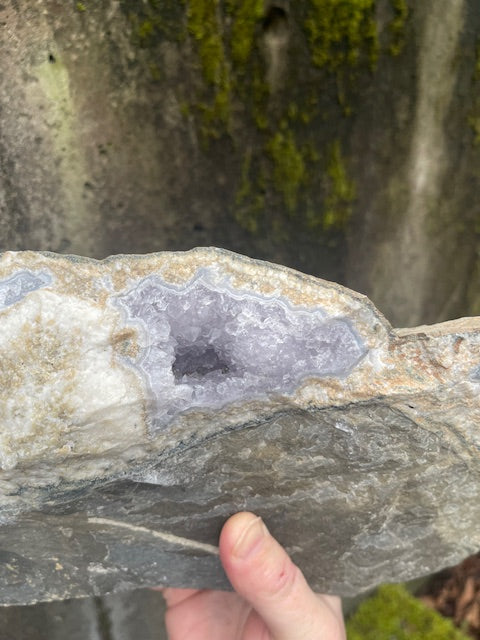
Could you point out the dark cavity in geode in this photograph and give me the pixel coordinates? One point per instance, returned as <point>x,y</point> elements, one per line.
<point>205,345</point>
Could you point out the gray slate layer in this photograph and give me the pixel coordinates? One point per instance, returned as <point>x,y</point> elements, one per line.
<point>144,399</point>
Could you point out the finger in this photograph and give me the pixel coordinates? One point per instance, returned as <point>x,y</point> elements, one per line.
<point>175,596</point>
<point>206,615</point>
<point>261,571</point>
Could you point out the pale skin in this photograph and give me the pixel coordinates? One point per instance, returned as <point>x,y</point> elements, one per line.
<point>272,600</point>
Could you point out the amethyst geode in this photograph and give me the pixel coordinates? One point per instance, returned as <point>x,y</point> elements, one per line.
<point>144,399</point>
<point>206,345</point>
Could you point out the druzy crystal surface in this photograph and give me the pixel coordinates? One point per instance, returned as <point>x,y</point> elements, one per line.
<point>20,284</point>
<point>206,345</point>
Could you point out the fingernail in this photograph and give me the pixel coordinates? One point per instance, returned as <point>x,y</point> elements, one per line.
<point>250,538</point>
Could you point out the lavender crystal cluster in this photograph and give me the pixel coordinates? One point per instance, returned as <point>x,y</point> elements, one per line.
<point>205,345</point>
<point>16,287</point>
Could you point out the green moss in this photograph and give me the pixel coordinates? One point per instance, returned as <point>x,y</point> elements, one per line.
<point>474,117</point>
<point>397,27</point>
<point>340,191</point>
<point>474,122</point>
<point>260,94</point>
<point>81,7</point>
<point>224,35</point>
<point>288,178</point>
<point>246,15</point>
<point>155,71</point>
<point>203,26</point>
<point>145,30</point>
<point>342,33</point>
<point>289,170</point>
<point>185,109</point>
<point>232,94</point>
<point>476,74</point>
<point>153,20</point>
<point>299,114</point>
<point>393,614</point>
<point>250,197</point>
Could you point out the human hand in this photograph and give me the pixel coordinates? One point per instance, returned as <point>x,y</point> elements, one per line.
<point>272,601</point>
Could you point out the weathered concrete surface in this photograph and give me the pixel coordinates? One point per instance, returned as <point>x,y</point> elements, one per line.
<point>131,615</point>
<point>120,133</point>
<point>414,201</point>
<point>144,399</point>
<point>135,615</point>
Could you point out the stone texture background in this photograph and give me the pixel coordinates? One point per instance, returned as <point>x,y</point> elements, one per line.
<point>356,162</point>
<point>342,144</point>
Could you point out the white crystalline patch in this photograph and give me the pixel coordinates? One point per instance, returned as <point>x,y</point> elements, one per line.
<point>204,346</point>
<point>60,393</point>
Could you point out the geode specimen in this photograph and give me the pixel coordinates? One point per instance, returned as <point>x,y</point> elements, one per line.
<point>144,399</point>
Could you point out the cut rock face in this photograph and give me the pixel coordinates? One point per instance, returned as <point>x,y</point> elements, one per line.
<point>144,399</point>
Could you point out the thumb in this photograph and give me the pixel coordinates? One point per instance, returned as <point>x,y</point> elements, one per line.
<point>263,574</point>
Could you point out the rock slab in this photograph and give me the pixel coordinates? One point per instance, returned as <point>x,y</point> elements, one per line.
<point>144,399</point>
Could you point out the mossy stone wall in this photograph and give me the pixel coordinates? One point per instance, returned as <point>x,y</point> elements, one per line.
<point>283,130</point>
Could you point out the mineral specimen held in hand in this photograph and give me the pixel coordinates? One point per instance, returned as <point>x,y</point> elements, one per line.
<point>144,399</point>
